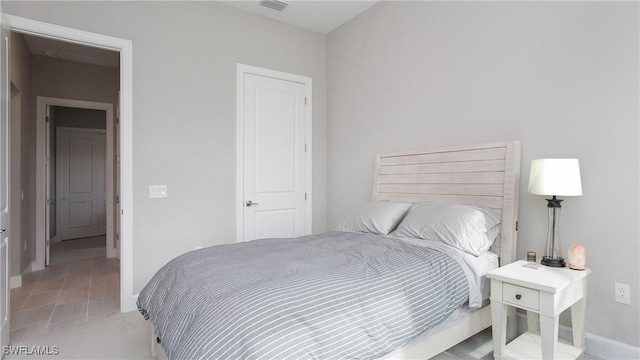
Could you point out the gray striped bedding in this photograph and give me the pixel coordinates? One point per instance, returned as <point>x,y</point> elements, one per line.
<point>335,295</point>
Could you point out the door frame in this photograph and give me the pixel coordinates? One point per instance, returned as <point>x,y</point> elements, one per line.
<point>5,152</point>
<point>41,118</point>
<point>125,48</point>
<point>243,69</point>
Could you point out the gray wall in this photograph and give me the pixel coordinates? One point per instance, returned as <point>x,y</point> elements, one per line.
<point>21,155</point>
<point>184,73</point>
<point>561,77</point>
<point>66,79</point>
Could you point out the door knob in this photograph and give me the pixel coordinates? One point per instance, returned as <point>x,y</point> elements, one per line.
<point>250,203</point>
<point>2,230</point>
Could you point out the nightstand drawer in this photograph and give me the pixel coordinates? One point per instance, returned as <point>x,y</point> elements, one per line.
<point>520,296</point>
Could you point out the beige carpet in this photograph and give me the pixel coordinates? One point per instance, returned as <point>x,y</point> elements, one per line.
<point>127,336</point>
<point>121,336</point>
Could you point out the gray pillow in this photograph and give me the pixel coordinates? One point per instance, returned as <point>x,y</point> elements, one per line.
<point>470,228</point>
<point>375,217</point>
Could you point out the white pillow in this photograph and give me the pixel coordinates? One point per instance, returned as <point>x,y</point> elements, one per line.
<point>472,229</point>
<point>375,217</point>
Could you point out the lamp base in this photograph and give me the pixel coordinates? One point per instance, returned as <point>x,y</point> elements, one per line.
<point>548,261</point>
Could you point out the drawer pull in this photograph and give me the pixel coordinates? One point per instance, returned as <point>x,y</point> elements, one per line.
<point>518,296</point>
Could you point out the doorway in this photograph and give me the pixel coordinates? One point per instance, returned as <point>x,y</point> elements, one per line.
<point>77,190</point>
<point>53,113</point>
<point>72,168</point>
<point>124,48</point>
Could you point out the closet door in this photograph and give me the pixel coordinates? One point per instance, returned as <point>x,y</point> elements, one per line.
<point>274,158</point>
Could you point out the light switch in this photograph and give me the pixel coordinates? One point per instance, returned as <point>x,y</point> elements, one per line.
<point>157,191</point>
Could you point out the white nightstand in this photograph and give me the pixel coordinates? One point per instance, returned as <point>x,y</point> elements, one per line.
<point>546,292</point>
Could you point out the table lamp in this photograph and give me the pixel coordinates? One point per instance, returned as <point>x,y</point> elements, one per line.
<point>554,177</point>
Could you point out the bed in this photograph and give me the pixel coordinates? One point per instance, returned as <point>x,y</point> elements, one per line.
<point>471,177</point>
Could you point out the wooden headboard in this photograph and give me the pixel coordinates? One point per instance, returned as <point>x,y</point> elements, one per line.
<point>472,174</point>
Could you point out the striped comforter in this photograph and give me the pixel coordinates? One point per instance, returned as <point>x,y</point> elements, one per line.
<point>329,296</point>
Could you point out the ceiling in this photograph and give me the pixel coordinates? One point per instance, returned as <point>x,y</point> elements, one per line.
<point>319,16</point>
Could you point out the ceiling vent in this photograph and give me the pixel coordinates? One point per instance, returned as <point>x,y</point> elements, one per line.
<point>274,4</point>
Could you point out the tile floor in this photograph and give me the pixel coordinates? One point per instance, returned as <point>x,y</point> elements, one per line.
<point>78,249</point>
<point>65,295</point>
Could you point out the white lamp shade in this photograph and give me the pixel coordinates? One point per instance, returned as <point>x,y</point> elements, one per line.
<point>555,177</point>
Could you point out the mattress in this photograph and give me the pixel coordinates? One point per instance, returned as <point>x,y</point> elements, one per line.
<point>333,295</point>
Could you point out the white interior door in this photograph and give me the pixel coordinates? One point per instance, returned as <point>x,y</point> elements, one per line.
<point>80,183</point>
<point>4,189</point>
<point>274,157</point>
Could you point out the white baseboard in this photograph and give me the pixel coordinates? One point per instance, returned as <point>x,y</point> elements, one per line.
<point>130,306</point>
<point>15,282</point>
<point>35,267</point>
<point>608,349</point>
<point>595,345</point>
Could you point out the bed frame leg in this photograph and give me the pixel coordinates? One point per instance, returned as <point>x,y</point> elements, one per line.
<point>153,341</point>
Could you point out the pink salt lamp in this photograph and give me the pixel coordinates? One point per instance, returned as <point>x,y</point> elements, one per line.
<point>577,257</point>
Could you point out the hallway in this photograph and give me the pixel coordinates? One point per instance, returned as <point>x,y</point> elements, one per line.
<point>65,295</point>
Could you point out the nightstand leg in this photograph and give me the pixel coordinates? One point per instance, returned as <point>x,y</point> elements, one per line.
<point>549,335</point>
<point>578,314</point>
<point>532,322</point>
<point>499,329</point>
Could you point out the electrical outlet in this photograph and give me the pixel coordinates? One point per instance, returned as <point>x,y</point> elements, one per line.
<point>25,245</point>
<point>623,293</point>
